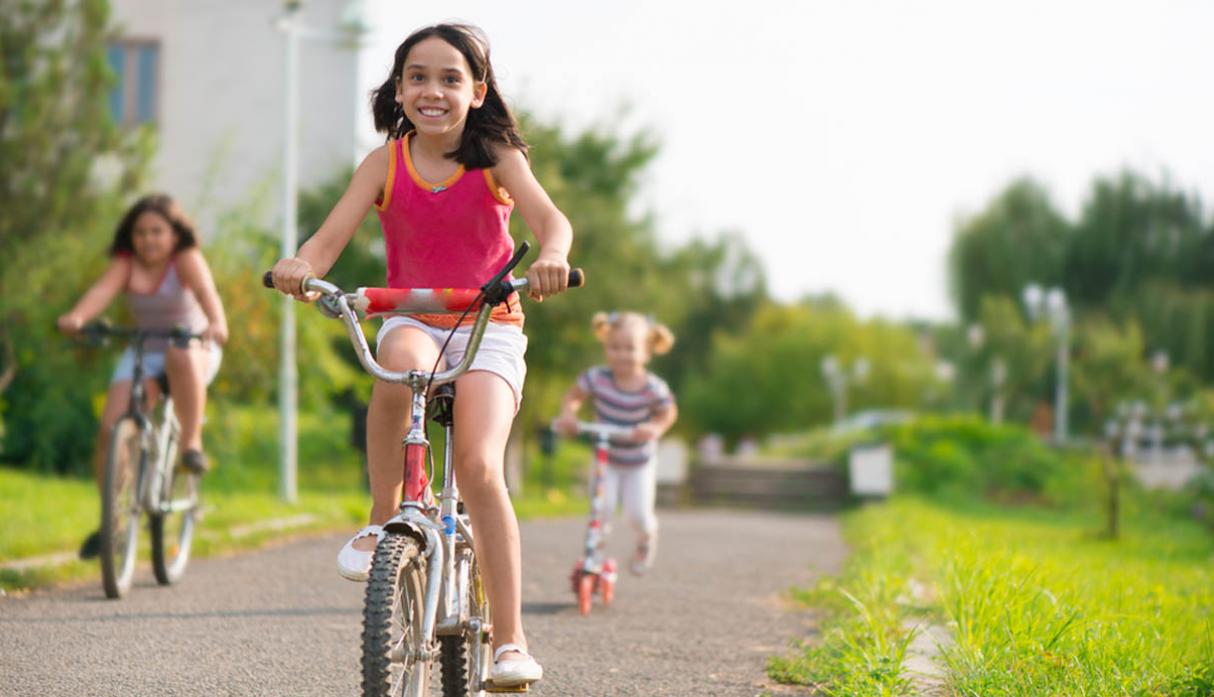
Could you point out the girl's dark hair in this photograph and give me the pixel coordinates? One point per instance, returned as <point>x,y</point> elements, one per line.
<point>156,203</point>
<point>488,124</point>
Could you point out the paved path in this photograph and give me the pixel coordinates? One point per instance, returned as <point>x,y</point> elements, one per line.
<point>282,622</point>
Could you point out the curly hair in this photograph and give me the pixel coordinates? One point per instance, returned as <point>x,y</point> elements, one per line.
<point>168,209</point>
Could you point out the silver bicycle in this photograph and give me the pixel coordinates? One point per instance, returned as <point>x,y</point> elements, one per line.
<point>141,475</point>
<point>425,600</point>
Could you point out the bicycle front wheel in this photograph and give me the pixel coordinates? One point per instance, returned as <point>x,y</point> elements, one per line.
<point>173,525</point>
<point>396,657</point>
<point>120,508</point>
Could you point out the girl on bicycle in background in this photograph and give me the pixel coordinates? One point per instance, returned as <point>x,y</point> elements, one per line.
<point>444,185</point>
<point>625,393</point>
<point>155,261</point>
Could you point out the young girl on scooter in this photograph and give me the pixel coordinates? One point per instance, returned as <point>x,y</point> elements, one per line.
<point>624,393</point>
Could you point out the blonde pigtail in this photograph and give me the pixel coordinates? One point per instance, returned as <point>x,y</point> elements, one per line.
<point>601,324</point>
<point>661,339</point>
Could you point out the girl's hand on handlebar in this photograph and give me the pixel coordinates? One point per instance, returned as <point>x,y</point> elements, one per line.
<point>217,333</point>
<point>289,276</point>
<point>565,424</point>
<point>548,275</point>
<point>645,432</point>
<point>70,324</point>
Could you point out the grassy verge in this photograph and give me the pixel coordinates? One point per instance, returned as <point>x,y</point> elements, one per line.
<point>49,516</point>
<point>1036,604</point>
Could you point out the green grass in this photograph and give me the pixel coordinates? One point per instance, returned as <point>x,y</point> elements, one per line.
<point>1037,604</point>
<point>44,515</point>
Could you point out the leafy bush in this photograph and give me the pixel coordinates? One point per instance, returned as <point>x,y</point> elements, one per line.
<point>967,456</point>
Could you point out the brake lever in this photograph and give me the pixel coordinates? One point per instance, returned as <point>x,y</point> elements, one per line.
<point>494,290</point>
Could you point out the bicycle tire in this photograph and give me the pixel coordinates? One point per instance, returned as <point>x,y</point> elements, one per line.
<point>120,508</point>
<point>465,658</point>
<point>173,529</point>
<point>393,601</point>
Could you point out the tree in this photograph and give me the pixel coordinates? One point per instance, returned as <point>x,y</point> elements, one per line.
<point>1019,238</point>
<point>767,378</point>
<point>66,176</point>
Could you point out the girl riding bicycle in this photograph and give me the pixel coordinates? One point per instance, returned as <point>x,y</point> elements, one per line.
<point>444,186</point>
<point>155,260</point>
<point>625,393</point>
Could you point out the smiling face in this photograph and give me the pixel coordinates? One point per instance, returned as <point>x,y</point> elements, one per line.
<point>436,88</point>
<point>153,238</point>
<point>627,348</point>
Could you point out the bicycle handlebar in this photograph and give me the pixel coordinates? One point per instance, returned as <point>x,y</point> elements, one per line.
<point>99,330</point>
<point>379,301</point>
<point>339,304</point>
<point>604,431</point>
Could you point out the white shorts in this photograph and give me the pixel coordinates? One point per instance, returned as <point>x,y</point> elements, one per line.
<point>153,364</point>
<point>501,350</point>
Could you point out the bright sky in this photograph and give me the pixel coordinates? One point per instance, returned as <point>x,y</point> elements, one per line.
<point>844,138</point>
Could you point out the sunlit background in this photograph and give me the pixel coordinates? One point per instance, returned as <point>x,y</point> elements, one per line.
<point>970,243</point>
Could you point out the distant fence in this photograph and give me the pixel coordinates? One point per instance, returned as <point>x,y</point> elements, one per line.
<point>767,483</point>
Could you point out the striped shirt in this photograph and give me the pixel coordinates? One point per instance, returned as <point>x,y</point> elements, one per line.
<point>627,408</point>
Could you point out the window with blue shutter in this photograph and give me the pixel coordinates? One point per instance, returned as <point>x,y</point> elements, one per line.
<point>135,97</point>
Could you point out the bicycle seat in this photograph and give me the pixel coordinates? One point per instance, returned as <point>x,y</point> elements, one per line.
<point>442,404</point>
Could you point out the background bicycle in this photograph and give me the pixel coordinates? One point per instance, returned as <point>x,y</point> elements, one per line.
<point>141,475</point>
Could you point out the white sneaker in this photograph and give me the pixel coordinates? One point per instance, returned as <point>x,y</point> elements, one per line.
<point>516,671</point>
<point>355,564</point>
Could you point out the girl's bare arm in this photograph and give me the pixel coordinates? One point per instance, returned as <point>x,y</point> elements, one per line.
<point>566,423</point>
<point>320,252</point>
<point>196,275</point>
<point>98,296</point>
<point>549,274</point>
<point>653,429</point>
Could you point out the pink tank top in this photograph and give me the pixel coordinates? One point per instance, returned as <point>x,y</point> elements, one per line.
<point>449,234</point>
<point>170,306</point>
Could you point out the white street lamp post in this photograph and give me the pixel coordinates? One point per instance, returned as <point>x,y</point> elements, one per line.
<point>1051,304</point>
<point>353,28</point>
<point>838,379</point>
<point>288,374</point>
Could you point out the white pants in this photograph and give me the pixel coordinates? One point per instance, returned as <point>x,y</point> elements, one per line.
<point>635,488</point>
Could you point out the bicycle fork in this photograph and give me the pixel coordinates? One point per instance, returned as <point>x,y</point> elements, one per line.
<point>441,614</point>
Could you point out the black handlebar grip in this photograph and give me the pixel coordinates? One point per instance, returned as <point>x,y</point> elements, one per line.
<point>267,279</point>
<point>577,278</point>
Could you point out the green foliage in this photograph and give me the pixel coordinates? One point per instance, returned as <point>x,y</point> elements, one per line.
<point>56,124</point>
<point>1140,254</point>
<point>767,378</point>
<point>67,170</point>
<point>238,253</point>
<point>965,457</point>
<point>1025,348</point>
<point>1019,238</point>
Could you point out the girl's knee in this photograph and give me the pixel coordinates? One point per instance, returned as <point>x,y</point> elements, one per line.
<point>406,348</point>
<point>176,357</point>
<point>479,472</point>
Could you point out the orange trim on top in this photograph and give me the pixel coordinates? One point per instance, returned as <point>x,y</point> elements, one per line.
<point>417,178</point>
<point>498,192</point>
<point>386,197</point>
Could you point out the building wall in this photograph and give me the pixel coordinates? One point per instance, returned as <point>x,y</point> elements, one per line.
<point>219,107</point>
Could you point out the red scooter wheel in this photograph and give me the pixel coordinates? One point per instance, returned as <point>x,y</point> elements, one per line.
<point>607,589</point>
<point>585,592</point>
